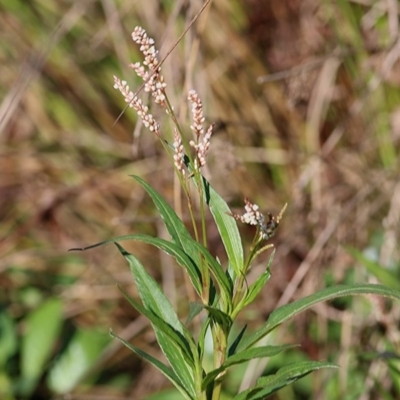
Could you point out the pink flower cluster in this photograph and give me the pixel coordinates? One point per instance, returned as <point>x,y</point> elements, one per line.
<point>135,103</point>
<point>202,143</point>
<point>150,73</point>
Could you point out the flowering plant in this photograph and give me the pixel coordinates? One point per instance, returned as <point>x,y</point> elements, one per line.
<point>222,290</point>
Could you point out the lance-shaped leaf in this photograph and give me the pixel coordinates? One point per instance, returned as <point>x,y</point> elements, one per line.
<point>182,258</point>
<point>220,278</point>
<point>288,311</point>
<point>219,317</point>
<point>235,343</point>
<point>255,288</point>
<point>284,377</point>
<point>167,372</point>
<point>226,224</point>
<point>176,228</point>
<point>177,339</point>
<point>155,300</point>
<point>182,237</point>
<point>244,356</point>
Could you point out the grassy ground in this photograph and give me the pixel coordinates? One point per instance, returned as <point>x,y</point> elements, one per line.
<point>306,99</point>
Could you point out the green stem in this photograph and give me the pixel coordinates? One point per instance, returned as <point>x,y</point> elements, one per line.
<point>220,340</point>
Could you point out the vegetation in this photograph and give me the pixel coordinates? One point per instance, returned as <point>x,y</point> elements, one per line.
<point>322,135</point>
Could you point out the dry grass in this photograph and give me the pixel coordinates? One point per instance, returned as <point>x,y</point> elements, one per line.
<point>307,111</point>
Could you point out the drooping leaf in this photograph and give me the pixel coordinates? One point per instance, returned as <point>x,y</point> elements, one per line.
<point>285,376</point>
<point>150,292</point>
<point>288,311</point>
<point>155,300</point>
<point>244,356</point>
<point>167,372</point>
<point>177,339</point>
<point>182,258</point>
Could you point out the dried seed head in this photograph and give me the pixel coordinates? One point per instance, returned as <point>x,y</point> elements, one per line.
<point>252,216</point>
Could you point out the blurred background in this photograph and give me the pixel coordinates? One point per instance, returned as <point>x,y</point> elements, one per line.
<point>306,99</point>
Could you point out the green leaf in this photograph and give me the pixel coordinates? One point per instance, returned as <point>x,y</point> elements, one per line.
<point>218,274</point>
<point>182,258</point>
<point>194,309</point>
<point>202,337</point>
<point>226,225</point>
<point>42,328</point>
<point>176,228</point>
<point>155,300</point>
<point>385,276</point>
<point>152,296</point>
<point>219,317</point>
<point>167,372</point>
<point>177,339</point>
<point>284,377</point>
<point>8,338</point>
<point>288,311</point>
<point>258,285</point>
<point>182,237</point>
<point>234,345</point>
<point>77,360</point>
<point>244,356</point>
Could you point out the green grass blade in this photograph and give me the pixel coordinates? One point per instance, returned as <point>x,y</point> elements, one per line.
<point>167,372</point>
<point>288,311</point>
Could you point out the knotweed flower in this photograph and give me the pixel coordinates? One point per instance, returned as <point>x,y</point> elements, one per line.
<point>135,103</point>
<point>150,71</point>
<point>197,114</point>
<point>202,143</point>
<point>179,154</point>
<point>252,216</point>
